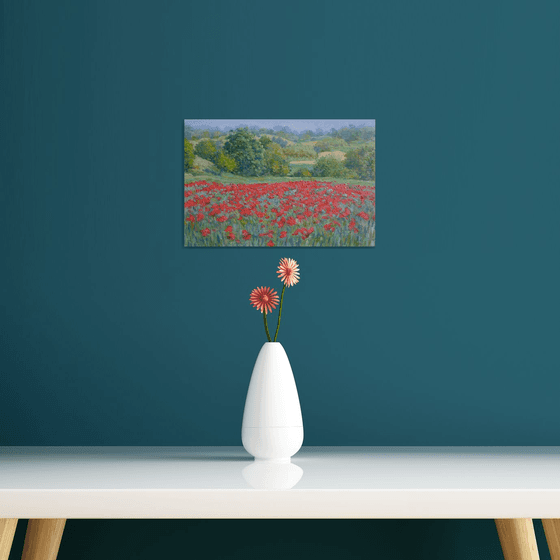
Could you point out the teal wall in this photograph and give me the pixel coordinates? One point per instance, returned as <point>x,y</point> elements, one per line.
<point>445,333</point>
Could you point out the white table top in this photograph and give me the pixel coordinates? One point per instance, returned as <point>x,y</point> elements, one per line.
<point>320,482</point>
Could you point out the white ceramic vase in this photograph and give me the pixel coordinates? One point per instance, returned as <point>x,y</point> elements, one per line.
<point>272,428</point>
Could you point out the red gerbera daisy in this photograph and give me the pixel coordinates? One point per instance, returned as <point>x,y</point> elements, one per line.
<point>264,299</point>
<point>288,272</point>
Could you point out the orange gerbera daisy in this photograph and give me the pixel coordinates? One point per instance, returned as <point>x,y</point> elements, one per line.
<point>264,299</point>
<point>288,272</point>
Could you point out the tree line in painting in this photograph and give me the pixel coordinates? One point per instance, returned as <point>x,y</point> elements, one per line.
<point>346,153</point>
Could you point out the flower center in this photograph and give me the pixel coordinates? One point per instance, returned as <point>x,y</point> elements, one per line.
<point>265,299</point>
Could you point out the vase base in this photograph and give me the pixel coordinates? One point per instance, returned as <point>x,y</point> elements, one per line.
<point>277,461</point>
<point>272,443</point>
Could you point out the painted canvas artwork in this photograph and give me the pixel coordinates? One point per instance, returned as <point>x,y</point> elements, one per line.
<point>279,183</point>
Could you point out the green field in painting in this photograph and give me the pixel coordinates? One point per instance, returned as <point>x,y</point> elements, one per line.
<point>231,179</point>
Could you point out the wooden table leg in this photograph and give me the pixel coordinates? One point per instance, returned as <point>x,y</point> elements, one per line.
<point>7,532</point>
<point>552,532</point>
<point>42,539</point>
<point>517,537</point>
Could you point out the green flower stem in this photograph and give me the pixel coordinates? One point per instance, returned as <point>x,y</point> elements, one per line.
<point>266,327</point>
<point>279,313</point>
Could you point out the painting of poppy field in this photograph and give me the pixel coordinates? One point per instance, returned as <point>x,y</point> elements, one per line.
<point>279,183</point>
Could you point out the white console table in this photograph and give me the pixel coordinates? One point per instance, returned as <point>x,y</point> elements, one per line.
<point>511,485</point>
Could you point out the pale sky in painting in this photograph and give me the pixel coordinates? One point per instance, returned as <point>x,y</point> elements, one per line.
<point>299,125</point>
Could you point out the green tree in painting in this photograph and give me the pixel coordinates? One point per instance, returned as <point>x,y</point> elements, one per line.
<point>246,151</point>
<point>225,163</point>
<point>275,161</point>
<point>206,149</point>
<point>329,167</point>
<point>189,155</point>
<point>362,162</point>
<point>265,141</point>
